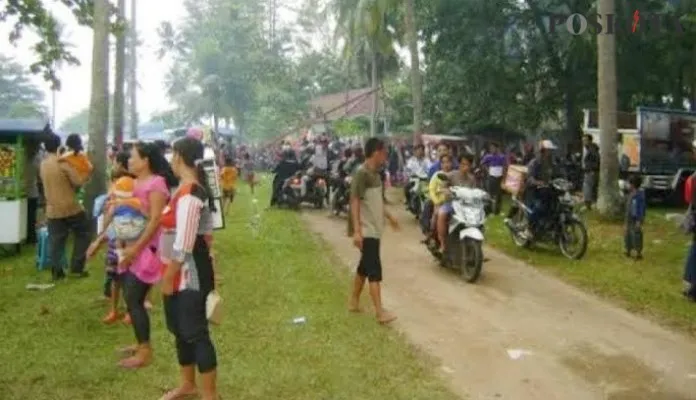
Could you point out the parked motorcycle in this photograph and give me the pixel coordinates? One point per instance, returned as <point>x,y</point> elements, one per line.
<point>291,192</point>
<point>559,223</point>
<point>340,196</point>
<point>316,188</point>
<point>417,194</point>
<point>464,248</point>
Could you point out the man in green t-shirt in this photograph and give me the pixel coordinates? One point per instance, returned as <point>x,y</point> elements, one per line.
<point>368,214</point>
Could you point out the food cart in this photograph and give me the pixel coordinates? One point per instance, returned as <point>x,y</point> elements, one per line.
<point>14,137</point>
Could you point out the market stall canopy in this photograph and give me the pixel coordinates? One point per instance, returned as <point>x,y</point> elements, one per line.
<point>23,127</point>
<point>433,139</point>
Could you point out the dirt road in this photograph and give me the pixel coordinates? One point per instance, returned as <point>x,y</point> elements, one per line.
<point>519,334</point>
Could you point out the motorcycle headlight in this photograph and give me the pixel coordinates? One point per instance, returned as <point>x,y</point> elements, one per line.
<point>567,199</point>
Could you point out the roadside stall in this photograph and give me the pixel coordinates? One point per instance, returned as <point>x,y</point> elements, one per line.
<point>15,136</point>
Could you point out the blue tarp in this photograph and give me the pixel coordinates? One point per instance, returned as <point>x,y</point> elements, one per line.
<point>24,127</point>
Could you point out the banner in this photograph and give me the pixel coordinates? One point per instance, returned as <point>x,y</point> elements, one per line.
<point>631,148</point>
<point>213,176</point>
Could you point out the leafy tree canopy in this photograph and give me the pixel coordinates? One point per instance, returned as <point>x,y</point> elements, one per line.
<point>19,96</point>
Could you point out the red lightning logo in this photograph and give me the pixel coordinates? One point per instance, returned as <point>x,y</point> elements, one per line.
<point>636,19</point>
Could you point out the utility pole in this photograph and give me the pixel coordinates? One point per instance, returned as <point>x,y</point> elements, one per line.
<point>132,71</point>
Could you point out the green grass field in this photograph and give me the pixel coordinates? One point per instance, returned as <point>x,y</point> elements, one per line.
<point>651,286</point>
<point>55,346</point>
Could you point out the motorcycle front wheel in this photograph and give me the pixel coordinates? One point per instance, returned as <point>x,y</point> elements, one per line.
<point>519,224</point>
<point>472,260</point>
<point>573,239</point>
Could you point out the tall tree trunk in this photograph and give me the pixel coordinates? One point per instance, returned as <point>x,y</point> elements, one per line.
<point>133,72</point>
<point>609,202</point>
<point>99,102</point>
<point>416,85</point>
<point>375,94</point>
<point>120,81</point>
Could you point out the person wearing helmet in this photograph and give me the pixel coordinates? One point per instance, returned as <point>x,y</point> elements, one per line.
<point>539,173</point>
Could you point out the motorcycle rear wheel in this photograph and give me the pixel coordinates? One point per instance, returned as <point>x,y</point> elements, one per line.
<point>471,262</point>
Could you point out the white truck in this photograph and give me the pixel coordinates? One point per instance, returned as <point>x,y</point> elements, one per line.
<point>655,143</point>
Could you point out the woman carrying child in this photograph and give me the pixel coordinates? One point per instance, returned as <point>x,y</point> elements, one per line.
<point>140,260</point>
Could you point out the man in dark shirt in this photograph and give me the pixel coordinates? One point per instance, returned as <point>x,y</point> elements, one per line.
<point>540,173</point>
<point>590,169</point>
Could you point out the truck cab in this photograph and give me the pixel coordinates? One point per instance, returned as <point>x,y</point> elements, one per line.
<point>655,143</point>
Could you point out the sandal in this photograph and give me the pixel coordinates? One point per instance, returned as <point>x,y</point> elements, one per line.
<point>176,394</point>
<point>128,351</point>
<point>386,318</point>
<point>132,362</point>
<point>110,318</point>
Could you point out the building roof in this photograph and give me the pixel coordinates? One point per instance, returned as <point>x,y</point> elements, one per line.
<point>348,104</point>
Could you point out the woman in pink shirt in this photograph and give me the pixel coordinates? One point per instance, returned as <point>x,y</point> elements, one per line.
<point>140,260</point>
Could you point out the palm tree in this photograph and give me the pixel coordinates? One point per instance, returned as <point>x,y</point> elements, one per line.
<point>364,27</point>
<point>120,79</point>
<point>416,85</point>
<point>99,103</point>
<point>609,203</point>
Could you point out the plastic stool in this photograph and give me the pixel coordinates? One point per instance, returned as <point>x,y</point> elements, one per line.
<point>43,251</point>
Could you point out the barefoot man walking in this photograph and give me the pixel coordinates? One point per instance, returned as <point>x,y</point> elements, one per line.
<point>368,215</point>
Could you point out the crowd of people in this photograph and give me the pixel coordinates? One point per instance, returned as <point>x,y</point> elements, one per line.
<point>171,249</point>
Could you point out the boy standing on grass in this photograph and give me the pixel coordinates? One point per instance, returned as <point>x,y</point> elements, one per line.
<point>228,178</point>
<point>368,214</point>
<point>635,214</point>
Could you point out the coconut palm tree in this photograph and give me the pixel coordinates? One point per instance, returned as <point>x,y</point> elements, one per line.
<point>416,83</point>
<point>609,203</point>
<point>99,103</point>
<point>369,34</point>
<point>120,78</point>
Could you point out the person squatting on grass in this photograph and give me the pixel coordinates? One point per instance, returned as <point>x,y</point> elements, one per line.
<point>189,277</point>
<point>368,214</point>
<point>635,215</point>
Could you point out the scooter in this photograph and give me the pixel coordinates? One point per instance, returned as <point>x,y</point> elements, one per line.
<point>464,247</point>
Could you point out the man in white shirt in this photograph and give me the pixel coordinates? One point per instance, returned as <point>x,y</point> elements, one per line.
<point>417,165</point>
<point>320,161</point>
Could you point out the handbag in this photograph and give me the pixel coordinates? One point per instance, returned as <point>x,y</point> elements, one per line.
<point>213,308</point>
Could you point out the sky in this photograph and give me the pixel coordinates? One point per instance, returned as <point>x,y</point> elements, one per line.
<point>76,80</point>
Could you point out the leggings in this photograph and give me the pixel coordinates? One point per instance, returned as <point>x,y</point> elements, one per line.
<point>135,292</point>
<point>186,320</point>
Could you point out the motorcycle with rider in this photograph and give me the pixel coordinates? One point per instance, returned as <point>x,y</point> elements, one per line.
<point>454,231</point>
<point>546,212</point>
<point>415,191</point>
